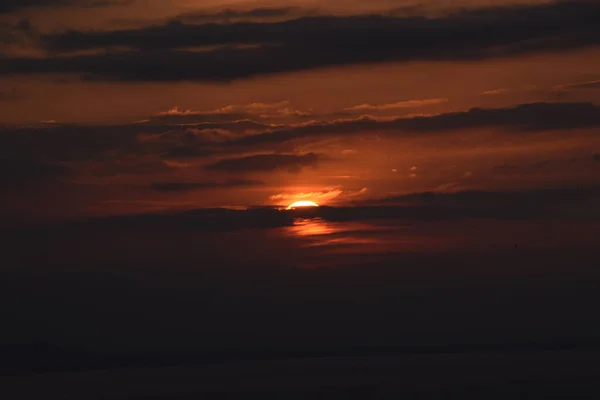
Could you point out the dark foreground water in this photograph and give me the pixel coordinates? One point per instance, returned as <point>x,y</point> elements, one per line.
<point>531,375</point>
<point>169,306</point>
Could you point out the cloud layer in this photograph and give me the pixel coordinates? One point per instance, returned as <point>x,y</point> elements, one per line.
<point>15,173</point>
<point>186,136</point>
<point>267,162</point>
<point>242,50</point>
<point>189,186</point>
<point>15,5</point>
<point>524,117</point>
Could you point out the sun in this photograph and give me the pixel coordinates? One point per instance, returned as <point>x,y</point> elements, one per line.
<point>302,204</point>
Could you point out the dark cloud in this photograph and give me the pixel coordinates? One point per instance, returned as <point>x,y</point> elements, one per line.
<point>423,206</point>
<point>582,85</point>
<point>472,197</point>
<point>106,3</point>
<point>15,5</point>
<point>531,167</point>
<point>159,51</point>
<point>21,33</point>
<point>267,162</point>
<point>596,157</point>
<point>159,138</point>
<point>189,186</point>
<point>229,15</point>
<point>97,142</point>
<point>526,203</point>
<point>7,96</point>
<point>184,151</point>
<point>495,26</point>
<point>200,220</point>
<point>69,142</point>
<point>16,173</point>
<point>524,117</point>
<point>579,165</point>
<point>129,166</point>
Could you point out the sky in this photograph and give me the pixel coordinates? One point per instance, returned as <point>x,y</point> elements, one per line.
<point>148,149</point>
<point>126,106</point>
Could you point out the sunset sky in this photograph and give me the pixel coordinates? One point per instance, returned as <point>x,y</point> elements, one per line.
<point>149,150</point>
<point>132,106</point>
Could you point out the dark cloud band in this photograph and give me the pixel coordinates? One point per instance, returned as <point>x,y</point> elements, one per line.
<point>190,186</point>
<point>267,162</point>
<point>67,143</point>
<point>158,53</point>
<point>525,117</point>
<point>7,6</point>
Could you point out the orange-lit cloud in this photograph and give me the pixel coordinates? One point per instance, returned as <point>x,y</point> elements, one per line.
<point>396,106</point>
<point>590,85</point>
<point>495,92</point>
<point>323,197</point>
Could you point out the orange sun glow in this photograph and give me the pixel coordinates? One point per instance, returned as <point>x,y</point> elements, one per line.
<point>300,204</point>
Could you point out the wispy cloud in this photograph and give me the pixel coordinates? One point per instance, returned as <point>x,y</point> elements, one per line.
<point>254,111</point>
<point>494,92</point>
<point>396,106</point>
<point>578,86</point>
<point>525,117</point>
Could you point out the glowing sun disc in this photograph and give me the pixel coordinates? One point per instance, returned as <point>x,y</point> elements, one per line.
<point>300,204</point>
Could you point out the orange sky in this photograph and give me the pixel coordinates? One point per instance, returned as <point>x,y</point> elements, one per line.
<point>119,152</point>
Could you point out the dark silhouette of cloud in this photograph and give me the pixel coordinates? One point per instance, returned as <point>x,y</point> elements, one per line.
<point>18,172</point>
<point>159,51</point>
<point>72,143</point>
<point>470,197</point>
<point>136,166</point>
<point>582,85</point>
<point>7,6</point>
<point>13,5</point>
<point>228,15</point>
<point>22,32</point>
<point>525,203</point>
<point>267,162</point>
<point>189,186</point>
<point>524,117</point>
<point>7,96</point>
<point>97,142</point>
<point>539,166</point>
<point>510,24</point>
<point>187,152</point>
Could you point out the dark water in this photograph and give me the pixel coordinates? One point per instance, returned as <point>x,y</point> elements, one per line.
<point>114,296</point>
<point>555,374</point>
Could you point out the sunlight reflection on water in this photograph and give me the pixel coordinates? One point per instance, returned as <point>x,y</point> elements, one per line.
<point>314,226</point>
<point>319,227</point>
<point>349,236</point>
